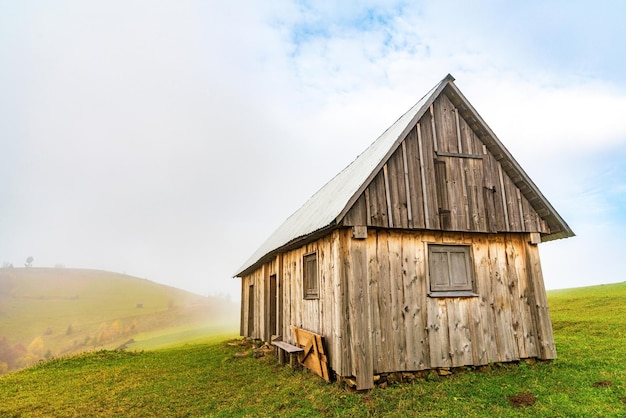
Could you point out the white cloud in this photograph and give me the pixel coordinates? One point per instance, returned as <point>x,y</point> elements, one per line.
<point>168,140</point>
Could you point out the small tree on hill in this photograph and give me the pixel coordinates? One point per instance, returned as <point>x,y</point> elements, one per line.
<point>36,346</point>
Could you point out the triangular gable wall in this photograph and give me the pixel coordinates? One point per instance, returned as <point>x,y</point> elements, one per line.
<point>442,176</point>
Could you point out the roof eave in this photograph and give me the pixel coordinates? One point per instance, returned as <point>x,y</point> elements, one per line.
<point>294,243</point>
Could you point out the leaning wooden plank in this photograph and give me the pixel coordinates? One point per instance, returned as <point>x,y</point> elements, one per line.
<point>312,355</point>
<point>321,354</point>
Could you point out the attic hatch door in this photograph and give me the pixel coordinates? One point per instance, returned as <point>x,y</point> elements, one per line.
<point>460,183</point>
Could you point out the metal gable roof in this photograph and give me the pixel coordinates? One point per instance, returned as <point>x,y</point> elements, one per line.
<point>325,206</point>
<point>328,206</point>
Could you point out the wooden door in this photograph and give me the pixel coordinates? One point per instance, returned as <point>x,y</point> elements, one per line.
<point>251,311</point>
<point>272,305</point>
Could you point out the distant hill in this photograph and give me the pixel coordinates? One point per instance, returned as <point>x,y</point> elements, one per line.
<point>48,312</point>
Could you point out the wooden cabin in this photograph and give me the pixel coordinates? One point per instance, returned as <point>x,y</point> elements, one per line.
<point>421,254</point>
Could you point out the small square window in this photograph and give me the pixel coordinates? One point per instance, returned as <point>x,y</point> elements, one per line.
<point>309,276</point>
<point>450,270</point>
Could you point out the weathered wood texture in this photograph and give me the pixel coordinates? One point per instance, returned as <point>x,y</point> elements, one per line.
<point>312,355</point>
<point>325,316</point>
<point>508,320</point>
<point>442,177</point>
<point>375,313</point>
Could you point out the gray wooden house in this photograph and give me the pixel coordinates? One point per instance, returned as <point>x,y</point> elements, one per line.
<point>421,254</point>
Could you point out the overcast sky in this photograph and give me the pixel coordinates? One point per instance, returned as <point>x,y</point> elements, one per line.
<point>168,139</point>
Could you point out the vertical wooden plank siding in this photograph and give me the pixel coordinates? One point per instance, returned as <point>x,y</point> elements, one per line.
<point>373,272</point>
<point>415,177</point>
<point>388,196</point>
<point>442,177</point>
<point>429,156</point>
<point>375,312</point>
<point>433,128</point>
<point>359,301</point>
<point>520,208</point>
<point>464,171</point>
<point>407,188</point>
<point>505,340</point>
<point>242,315</point>
<point>397,190</point>
<point>347,363</point>
<point>423,178</point>
<point>482,327</point>
<point>517,248</point>
<point>265,282</point>
<point>515,284</point>
<point>505,206</point>
<point>281,296</point>
<point>539,304</point>
<point>412,307</point>
<point>438,336</point>
<point>387,345</point>
<point>459,331</point>
<point>398,325</point>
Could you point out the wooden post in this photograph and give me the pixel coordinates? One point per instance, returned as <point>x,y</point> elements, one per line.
<point>360,321</point>
<point>538,301</point>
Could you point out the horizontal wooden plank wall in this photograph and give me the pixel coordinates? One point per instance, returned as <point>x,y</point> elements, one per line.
<point>476,194</point>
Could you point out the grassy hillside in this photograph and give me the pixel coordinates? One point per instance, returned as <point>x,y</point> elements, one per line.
<point>220,379</point>
<point>48,312</point>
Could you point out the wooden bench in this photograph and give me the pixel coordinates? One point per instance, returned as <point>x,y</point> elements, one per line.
<point>291,350</point>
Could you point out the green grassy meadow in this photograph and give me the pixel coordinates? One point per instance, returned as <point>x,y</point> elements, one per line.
<point>222,379</point>
<point>50,312</point>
